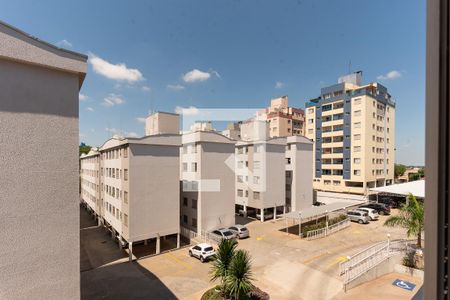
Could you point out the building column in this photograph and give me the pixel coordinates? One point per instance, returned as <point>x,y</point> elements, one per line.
<point>284,209</point>
<point>145,242</point>
<point>130,251</point>
<point>245,211</point>
<point>158,244</point>
<point>274,213</point>
<point>262,215</point>
<point>178,240</point>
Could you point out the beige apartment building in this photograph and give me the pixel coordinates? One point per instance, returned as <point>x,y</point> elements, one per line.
<point>140,187</point>
<point>40,233</point>
<point>207,181</point>
<point>90,181</point>
<point>283,120</point>
<point>162,123</point>
<point>353,128</point>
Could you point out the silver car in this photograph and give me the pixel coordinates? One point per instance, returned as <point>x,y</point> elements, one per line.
<point>223,234</point>
<point>239,231</point>
<point>358,216</point>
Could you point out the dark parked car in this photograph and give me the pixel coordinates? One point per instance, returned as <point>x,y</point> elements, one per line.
<point>388,202</point>
<point>381,208</point>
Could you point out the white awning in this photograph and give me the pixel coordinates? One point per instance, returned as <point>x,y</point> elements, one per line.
<point>314,212</point>
<point>417,188</point>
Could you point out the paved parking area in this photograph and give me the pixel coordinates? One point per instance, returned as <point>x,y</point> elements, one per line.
<point>284,265</point>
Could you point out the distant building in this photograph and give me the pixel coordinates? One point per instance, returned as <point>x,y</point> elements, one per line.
<point>201,126</point>
<point>406,177</point>
<point>40,233</point>
<point>162,123</point>
<point>233,131</point>
<point>283,120</point>
<point>207,179</point>
<point>90,179</point>
<point>353,128</point>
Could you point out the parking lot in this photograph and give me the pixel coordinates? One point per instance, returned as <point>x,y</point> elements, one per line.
<point>283,265</point>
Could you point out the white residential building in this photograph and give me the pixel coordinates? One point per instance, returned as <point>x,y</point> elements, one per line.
<point>162,123</point>
<point>90,181</point>
<point>207,175</point>
<point>140,187</point>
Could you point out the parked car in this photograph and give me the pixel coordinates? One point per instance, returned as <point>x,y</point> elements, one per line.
<point>358,216</point>
<point>223,234</point>
<point>390,202</point>
<point>373,214</point>
<point>318,203</point>
<point>239,231</point>
<point>267,214</point>
<point>382,209</point>
<point>202,251</point>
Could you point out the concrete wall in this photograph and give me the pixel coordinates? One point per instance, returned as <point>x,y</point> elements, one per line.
<point>154,191</point>
<point>302,160</point>
<point>39,219</point>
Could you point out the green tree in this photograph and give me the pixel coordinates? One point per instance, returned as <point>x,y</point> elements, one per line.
<point>84,148</point>
<point>410,217</point>
<point>222,261</point>
<point>399,170</point>
<point>421,172</point>
<point>239,277</point>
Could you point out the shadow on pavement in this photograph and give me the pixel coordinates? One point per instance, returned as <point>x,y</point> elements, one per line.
<point>122,281</point>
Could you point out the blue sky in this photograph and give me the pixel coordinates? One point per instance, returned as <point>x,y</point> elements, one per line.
<point>241,50</point>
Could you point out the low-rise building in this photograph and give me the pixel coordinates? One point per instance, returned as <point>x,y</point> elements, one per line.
<point>207,179</point>
<point>90,182</point>
<point>140,187</point>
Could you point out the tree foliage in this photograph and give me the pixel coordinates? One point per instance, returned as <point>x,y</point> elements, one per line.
<point>410,217</point>
<point>399,169</point>
<point>84,148</point>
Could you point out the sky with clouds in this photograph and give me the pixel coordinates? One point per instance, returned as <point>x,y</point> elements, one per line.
<point>168,55</point>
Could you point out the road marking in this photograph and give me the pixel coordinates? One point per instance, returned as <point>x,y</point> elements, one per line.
<point>260,238</point>
<point>314,258</point>
<point>179,261</point>
<point>339,259</point>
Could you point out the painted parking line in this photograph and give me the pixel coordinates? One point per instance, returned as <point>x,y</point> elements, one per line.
<point>314,258</point>
<point>338,260</point>
<point>179,261</point>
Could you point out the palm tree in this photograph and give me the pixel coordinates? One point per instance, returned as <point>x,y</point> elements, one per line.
<point>239,278</point>
<point>222,261</point>
<point>410,217</point>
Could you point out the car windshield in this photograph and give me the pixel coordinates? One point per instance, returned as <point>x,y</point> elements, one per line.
<point>208,249</point>
<point>243,229</point>
<point>227,233</point>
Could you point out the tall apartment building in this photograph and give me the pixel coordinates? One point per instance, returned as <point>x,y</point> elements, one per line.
<point>162,123</point>
<point>207,179</point>
<point>40,233</point>
<point>233,131</point>
<point>353,128</point>
<point>140,187</point>
<point>90,181</point>
<point>283,120</point>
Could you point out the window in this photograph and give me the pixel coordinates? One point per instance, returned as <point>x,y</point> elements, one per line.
<point>240,164</point>
<point>194,167</point>
<point>185,201</point>
<point>357,125</point>
<point>310,131</point>
<point>240,193</point>
<point>125,152</point>
<point>357,172</point>
<point>357,101</point>
<point>246,193</point>
<point>125,219</point>
<point>194,204</point>
<point>357,113</point>
<point>310,110</point>
<point>240,178</point>
<point>125,197</point>
<point>357,161</point>
<point>256,195</point>
<point>125,174</point>
<point>357,137</point>
<point>256,179</point>
<point>184,167</point>
<point>194,222</point>
<point>256,165</point>
<point>357,148</point>
<point>185,219</point>
<point>310,121</point>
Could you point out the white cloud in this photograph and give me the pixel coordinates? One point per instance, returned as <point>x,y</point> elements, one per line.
<point>89,109</point>
<point>64,44</point>
<point>82,97</point>
<point>196,76</point>
<point>140,120</point>
<point>188,111</point>
<point>121,132</point>
<point>112,100</point>
<point>81,135</point>
<point>175,87</point>
<point>279,85</point>
<point>146,88</point>
<point>394,74</point>
<point>118,71</point>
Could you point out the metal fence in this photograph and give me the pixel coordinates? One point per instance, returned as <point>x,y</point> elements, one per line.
<point>369,258</point>
<point>203,237</point>
<point>323,232</point>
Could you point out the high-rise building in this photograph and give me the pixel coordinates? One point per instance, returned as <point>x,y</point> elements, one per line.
<point>283,120</point>
<point>40,233</point>
<point>353,128</point>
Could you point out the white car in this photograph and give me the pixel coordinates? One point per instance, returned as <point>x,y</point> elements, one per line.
<point>202,251</point>
<point>373,214</point>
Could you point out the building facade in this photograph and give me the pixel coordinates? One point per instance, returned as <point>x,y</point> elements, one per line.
<point>40,233</point>
<point>138,187</point>
<point>207,181</point>
<point>353,128</point>
<point>162,123</point>
<point>283,120</point>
